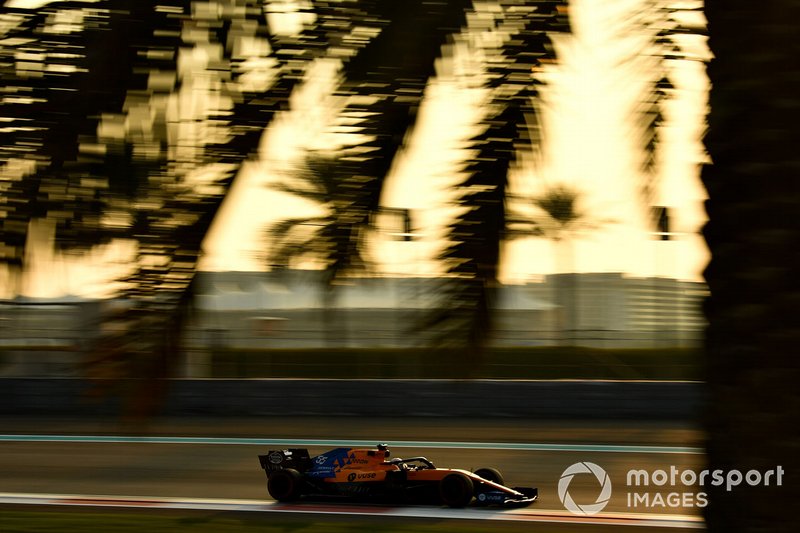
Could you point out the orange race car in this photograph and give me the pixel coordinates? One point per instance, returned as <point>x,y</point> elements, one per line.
<point>369,474</point>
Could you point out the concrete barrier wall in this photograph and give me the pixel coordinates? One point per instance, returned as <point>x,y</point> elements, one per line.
<point>390,398</point>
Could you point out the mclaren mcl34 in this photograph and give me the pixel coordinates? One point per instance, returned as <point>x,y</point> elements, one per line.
<point>368,474</point>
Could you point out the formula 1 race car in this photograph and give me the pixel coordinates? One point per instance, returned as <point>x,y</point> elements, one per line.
<point>369,474</point>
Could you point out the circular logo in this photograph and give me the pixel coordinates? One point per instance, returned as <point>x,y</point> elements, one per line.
<point>584,468</point>
<point>351,477</point>
<point>276,458</point>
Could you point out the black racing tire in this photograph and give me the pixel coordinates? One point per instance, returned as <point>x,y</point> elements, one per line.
<point>456,490</point>
<point>285,485</point>
<point>491,474</point>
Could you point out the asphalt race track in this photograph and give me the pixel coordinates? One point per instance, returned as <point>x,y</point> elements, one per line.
<point>126,468</point>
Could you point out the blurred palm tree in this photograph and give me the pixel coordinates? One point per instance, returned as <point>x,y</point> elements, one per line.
<point>253,69</point>
<point>666,24</point>
<point>754,272</point>
<point>463,319</point>
<point>122,129</point>
<point>65,66</point>
<point>562,214</point>
<point>79,70</point>
<point>327,238</point>
<point>557,215</point>
<point>384,82</point>
<point>383,78</point>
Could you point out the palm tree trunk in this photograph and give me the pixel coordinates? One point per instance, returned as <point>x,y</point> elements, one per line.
<point>754,274</point>
<point>464,318</point>
<point>566,291</point>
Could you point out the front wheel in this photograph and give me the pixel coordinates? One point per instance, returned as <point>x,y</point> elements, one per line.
<point>456,490</point>
<point>491,474</point>
<point>285,485</point>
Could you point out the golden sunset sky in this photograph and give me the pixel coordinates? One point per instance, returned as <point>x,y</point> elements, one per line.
<point>590,142</point>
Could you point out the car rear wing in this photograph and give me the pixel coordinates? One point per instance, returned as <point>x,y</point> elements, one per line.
<point>297,458</point>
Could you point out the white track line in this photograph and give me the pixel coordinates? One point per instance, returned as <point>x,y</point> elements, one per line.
<point>514,446</point>
<point>518,515</point>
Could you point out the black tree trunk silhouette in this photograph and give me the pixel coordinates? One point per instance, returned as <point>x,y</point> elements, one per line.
<point>754,272</point>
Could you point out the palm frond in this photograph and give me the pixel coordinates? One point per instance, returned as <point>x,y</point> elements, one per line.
<point>350,184</point>
<point>315,196</point>
<point>560,205</point>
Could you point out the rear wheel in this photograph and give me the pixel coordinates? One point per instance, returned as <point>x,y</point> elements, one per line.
<point>456,490</point>
<point>491,474</point>
<point>285,485</point>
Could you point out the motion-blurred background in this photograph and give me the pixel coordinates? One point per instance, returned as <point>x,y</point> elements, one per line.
<point>195,193</point>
